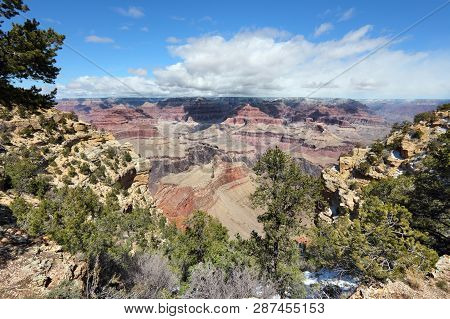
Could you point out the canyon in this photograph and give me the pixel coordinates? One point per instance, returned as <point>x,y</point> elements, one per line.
<point>201,150</point>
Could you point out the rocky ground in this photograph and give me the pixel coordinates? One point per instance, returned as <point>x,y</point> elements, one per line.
<point>78,156</point>
<point>432,286</point>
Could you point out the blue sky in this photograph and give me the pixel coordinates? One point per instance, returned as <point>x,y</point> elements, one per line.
<point>270,48</point>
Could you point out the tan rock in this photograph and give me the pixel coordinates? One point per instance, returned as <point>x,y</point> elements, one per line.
<point>408,149</point>
<point>79,127</point>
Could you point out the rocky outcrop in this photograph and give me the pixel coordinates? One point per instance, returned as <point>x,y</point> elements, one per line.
<point>73,154</point>
<point>403,150</point>
<point>433,286</point>
<point>35,266</point>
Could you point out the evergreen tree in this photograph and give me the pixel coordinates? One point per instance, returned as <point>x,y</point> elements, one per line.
<point>430,199</point>
<point>285,194</point>
<point>379,243</point>
<point>26,53</point>
<point>203,240</point>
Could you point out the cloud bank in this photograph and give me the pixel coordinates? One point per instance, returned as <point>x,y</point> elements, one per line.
<point>271,62</point>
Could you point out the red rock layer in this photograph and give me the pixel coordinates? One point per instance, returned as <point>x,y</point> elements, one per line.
<point>252,115</point>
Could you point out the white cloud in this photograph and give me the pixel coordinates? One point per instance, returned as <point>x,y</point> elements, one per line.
<point>138,71</point>
<point>97,39</point>
<point>346,15</point>
<point>144,29</point>
<point>177,18</point>
<point>52,21</point>
<point>133,12</point>
<point>92,86</point>
<point>270,62</point>
<point>323,28</point>
<point>124,28</point>
<point>173,40</point>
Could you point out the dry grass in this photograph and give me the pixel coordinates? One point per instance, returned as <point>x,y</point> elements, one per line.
<point>414,279</point>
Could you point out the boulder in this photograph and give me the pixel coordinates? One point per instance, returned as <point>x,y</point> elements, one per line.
<point>408,149</point>
<point>79,127</point>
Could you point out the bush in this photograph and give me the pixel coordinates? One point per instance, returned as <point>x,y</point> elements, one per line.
<point>111,152</point>
<point>443,285</point>
<point>428,117</point>
<point>204,240</point>
<point>379,244</point>
<point>363,168</point>
<point>72,116</point>
<point>5,138</point>
<point>48,124</point>
<point>27,131</point>
<point>417,134</point>
<point>65,290</point>
<point>85,169</point>
<point>152,277</point>
<point>127,157</point>
<point>209,282</point>
<point>72,172</point>
<point>405,125</point>
<point>66,151</point>
<point>41,185</point>
<point>22,173</point>
<point>67,180</point>
<point>444,107</point>
<point>377,148</point>
<point>5,114</point>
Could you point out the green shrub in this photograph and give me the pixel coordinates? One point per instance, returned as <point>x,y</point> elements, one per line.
<point>21,172</point>
<point>428,117</point>
<point>66,151</point>
<point>379,244</point>
<point>85,169</point>
<point>5,114</point>
<point>67,180</point>
<point>48,124</point>
<point>377,148</point>
<point>444,107</point>
<point>5,138</point>
<point>417,134</point>
<point>442,284</point>
<point>41,185</point>
<point>65,290</point>
<point>363,168</point>
<point>27,131</point>
<point>93,179</point>
<point>127,157</point>
<point>111,152</point>
<point>72,172</point>
<point>72,116</point>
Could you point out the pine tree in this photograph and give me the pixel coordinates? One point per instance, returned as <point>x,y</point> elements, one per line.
<point>286,194</point>
<point>26,53</point>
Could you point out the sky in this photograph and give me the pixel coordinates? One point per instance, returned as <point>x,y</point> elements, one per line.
<point>249,48</point>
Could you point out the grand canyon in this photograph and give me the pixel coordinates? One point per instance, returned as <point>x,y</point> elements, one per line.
<point>202,150</point>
